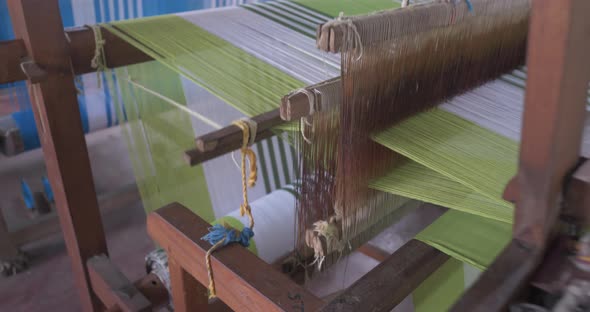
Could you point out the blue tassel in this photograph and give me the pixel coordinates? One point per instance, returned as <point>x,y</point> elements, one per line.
<point>27,194</point>
<point>219,232</point>
<point>47,189</point>
<point>469,5</point>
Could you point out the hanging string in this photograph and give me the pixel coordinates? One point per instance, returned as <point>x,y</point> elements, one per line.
<point>222,235</point>
<point>99,60</point>
<point>312,110</point>
<point>248,128</point>
<point>175,104</point>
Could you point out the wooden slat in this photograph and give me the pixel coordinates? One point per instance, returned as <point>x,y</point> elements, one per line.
<point>384,287</point>
<point>113,288</point>
<point>187,294</point>
<point>38,24</point>
<point>117,51</point>
<point>243,281</point>
<point>225,140</point>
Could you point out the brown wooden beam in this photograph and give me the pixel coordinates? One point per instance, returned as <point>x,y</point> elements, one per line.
<point>187,293</point>
<point>11,54</point>
<point>555,110</point>
<point>81,47</point>
<point>113,288</point>
<point>225,140</point>
<point>244,282</point>
<point>38,23</point>
<point>8,248</point>
<point>384,287</point>
<point>117,51</point>
<point>578,195</point>
<point>558,76</point>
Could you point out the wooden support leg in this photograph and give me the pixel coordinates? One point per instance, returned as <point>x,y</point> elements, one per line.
<point>7,248</point>
<point>187,293</point>
<point>12,260</point>
<point>38,23</point>
<point>555,110</point>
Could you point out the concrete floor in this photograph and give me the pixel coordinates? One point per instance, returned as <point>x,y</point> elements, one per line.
<point>47,285</point>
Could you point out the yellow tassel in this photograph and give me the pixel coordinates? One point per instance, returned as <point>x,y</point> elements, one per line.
<point>248,128</point>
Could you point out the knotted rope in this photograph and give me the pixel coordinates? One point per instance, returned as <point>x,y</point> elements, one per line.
<point>99,60</point>
<point>222,235</point>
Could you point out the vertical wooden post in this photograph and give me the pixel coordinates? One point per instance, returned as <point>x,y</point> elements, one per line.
<point>8,249</point>
<point>558,76</point>
<point>38,23</point>
<point>187,293</point>
<point>555,110</point>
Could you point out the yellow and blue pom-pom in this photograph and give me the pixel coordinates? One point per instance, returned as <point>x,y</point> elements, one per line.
<point>219,232</point>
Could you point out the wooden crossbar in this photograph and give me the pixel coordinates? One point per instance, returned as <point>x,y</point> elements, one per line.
<point>246,283</point>
<point>384,287</point>
<point>81,47</point>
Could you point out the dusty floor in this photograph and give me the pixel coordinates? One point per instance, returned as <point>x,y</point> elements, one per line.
<point>47,285</point>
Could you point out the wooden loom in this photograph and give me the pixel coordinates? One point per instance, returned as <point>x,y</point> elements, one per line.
<point>552,181</point>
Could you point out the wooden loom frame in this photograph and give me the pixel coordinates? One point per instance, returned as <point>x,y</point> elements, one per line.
<point>553,109</point>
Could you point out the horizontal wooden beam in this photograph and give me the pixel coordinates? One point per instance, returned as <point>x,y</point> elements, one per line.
<point>227,139</point>
<point>244,282</point>
<point>374,252</point>
<point>384,287</point>
<point>81,40</point>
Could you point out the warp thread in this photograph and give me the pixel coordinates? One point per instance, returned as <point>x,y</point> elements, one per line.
<point>99,60</point>
<point>223,235</point>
